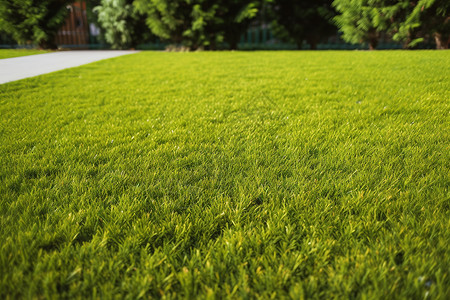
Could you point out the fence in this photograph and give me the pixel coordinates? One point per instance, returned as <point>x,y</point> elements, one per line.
<point>75,32</point>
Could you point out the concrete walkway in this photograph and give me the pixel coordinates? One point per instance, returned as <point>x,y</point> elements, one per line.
<point>16,68</point>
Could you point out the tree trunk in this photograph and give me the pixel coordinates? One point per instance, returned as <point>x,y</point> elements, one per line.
<point>373,43</point>
<point>233,45</point>
<point>299,44</point>
<point>312,44</point>
<point>441,42</point>
<point>49,44</point>
<point>231,37</point>
<point>212,46</point>
<point>373,39</point>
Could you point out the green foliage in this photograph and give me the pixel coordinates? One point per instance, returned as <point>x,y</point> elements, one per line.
<point>199,23</point>
<point>231,20</point>
<point>424,19</point>
<point>362,21</point>
<point>123,27</point>
<point>318,175</point>
<point>304,20</point>
<point>92,17</point>
<point>169,19</point>
<point>406,21</point>
<point>33,21</point>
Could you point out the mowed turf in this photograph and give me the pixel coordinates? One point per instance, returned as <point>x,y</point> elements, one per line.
<point>229,174</point>
<point>9,53</point>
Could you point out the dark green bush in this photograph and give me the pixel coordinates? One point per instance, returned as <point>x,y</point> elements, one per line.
<point>33,22</point>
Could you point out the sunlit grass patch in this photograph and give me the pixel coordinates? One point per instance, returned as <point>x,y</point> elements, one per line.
<point>228,174</point>
<point>9,53</point>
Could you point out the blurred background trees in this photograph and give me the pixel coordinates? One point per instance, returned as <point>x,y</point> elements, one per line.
<point>425,18</point>
<point>231,20</point>
<point>33,22</point>
<point>303,20</point>
<point>172,20</point>
<point>409,22</point>
<point>224,24</point>
<point>200,23</point>
<point>122,25</point>
<point>358,21</point>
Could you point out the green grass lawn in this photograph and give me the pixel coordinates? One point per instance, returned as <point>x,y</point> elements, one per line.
<point>9,53</point>
<point>229,174</point>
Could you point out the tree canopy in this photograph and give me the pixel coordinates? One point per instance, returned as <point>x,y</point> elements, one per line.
<point>123,27</point>
<point>199,23</point>
<point>213,24</point>
<point>360,20</point>
<point>33,21</point>
<point>405,21</point>
<point>304,20</point>
<point>426,18</point>
<point>231,19</point>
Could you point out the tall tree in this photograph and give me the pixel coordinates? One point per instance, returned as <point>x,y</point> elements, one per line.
<point>231,19</point>
<point>92,17</point>
<point>178,21</point>
<point>405,20</point>
<point>199,23</point>
<point>123,27</point>
<point>33,21</point>
<point>359,21</point>
<point>426,18</point>
<point>362,21</point>
<point>304,20</point>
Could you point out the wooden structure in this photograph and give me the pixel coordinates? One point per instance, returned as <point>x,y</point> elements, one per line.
<point>75,32</point>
